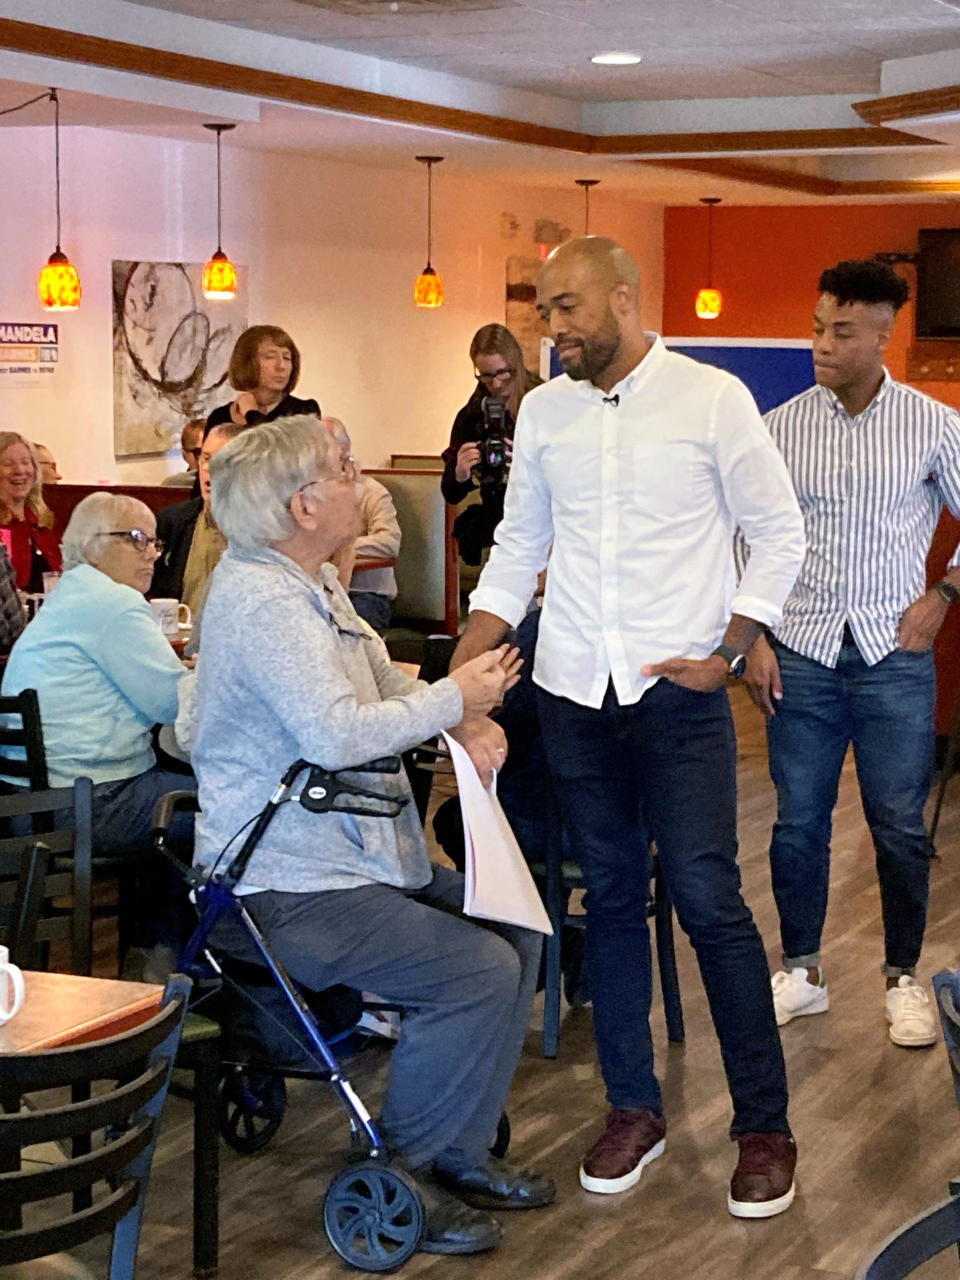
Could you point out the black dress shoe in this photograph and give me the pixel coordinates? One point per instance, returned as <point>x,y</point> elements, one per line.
<point>497,1184</point>
<point>451,1226</point>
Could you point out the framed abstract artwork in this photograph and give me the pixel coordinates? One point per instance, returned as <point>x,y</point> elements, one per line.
<point>171,350</point>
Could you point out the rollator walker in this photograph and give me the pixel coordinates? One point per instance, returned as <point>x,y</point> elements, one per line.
<point>373,1213</point>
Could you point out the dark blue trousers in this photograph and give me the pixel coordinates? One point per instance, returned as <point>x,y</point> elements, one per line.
<point>663,769</point>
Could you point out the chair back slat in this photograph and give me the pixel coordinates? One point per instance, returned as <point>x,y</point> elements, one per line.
<point>56,1068</point>
<point>84,1116</point>
<point>109,1161</point>
<point>68,1232</point>
<point>28,735</point>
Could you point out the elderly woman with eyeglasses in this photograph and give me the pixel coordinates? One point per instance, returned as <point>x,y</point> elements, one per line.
<point>347,898</point>
<point>105,675</point>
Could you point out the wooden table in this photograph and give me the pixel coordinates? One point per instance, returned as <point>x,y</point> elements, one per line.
<point>62,1008</point>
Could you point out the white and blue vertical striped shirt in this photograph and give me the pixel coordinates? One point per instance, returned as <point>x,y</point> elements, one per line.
<point>871,489</point>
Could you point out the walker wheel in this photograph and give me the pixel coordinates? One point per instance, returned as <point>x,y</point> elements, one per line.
<point>500,1144</point>
<point>373,1216</point>
<point>251,1107</point>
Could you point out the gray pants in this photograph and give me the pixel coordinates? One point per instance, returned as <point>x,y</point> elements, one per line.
<point>466,988</point>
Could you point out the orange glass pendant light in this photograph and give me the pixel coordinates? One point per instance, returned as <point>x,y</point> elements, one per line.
<point>709,301</point>
<point>58,284</point>
<point>219,281</point>
<point>428,291</point>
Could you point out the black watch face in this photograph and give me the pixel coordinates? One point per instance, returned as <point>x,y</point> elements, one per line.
<point>738,666</point>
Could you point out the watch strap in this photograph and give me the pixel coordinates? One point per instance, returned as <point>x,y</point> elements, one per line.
<point>947,592</point>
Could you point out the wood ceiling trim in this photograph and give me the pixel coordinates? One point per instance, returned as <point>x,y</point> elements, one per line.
<point>28,37</point>
<point>810,184</point>
<point>756,140</point>
<point>904,106</point>
<point>69,46</point>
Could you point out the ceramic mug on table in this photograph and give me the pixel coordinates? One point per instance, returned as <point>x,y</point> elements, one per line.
<point>11,987</point>
<point>171,615</point>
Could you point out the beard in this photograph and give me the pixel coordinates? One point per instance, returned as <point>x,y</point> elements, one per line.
<point>596,351</point>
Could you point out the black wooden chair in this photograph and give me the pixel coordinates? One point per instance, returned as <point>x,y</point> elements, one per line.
<point>946,986</point>
<point>558,878</point>
<point>934,1231</point>
<point>45,889</point>
<point>50,1210</point>
<point>45,878</point>
<point>920,1240</point>
<point>123,868</point>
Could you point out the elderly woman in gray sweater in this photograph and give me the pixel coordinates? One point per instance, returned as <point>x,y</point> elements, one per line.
<point>287,670</point>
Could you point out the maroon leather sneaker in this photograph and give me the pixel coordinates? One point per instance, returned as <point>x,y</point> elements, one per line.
<point>762,1184</point>
<point>629,1142</point>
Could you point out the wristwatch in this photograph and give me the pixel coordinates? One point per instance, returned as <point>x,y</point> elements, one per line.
<point>736,662</point>
<point>947,592</point>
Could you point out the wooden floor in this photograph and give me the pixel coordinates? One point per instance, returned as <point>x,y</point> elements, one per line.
<point>877,1126</point>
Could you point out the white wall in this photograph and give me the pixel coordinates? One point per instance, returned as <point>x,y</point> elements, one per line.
<point>333,251</point>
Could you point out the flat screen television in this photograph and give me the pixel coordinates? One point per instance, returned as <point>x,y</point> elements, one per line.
<point>937,313</point>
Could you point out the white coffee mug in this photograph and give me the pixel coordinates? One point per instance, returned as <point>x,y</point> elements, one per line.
<point>11,987</point>
<point>171,615</point>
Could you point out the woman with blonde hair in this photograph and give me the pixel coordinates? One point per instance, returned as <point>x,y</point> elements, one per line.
<point>502,382</point>
<point>28,528</point>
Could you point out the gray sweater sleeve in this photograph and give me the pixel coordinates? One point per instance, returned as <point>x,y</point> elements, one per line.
<point>313,677</point>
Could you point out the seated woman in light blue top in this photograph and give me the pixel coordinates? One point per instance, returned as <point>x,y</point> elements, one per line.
<point>103,671</point>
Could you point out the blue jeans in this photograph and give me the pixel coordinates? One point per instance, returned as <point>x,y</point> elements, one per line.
<point>372,608</point>
<point>664,769</point>
<point>886,711</point>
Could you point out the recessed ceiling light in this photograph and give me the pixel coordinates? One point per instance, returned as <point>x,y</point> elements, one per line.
<point>616,58</point>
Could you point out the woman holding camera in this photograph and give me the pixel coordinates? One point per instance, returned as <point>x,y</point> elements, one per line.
<point>502,382</point>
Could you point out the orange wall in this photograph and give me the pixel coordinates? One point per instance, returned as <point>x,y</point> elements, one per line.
<point>767,260</point>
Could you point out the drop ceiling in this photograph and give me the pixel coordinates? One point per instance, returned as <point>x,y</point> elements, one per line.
<point>726,88</point>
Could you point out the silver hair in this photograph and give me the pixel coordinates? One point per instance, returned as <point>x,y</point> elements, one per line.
<point>94,517</point>
<point>253,478</point>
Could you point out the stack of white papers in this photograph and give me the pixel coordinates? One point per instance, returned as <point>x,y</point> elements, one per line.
<point>497,881</point>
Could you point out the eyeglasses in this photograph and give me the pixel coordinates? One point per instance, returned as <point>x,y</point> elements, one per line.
<point>495,376</point>
<point>349,473</point>
<point>137,538</point>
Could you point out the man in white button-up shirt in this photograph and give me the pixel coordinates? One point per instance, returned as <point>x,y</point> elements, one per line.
<point>636,468</point>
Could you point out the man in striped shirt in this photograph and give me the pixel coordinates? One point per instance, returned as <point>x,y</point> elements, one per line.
<point>872,462</point>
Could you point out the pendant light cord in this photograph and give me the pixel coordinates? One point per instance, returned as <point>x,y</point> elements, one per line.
<point>50,96</point>
<point>56,144</point>
<point>219,196</point>
<point>709,246</point>
<point>429,209</point>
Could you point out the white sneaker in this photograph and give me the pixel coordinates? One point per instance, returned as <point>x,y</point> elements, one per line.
<point>794,996</point>
<point>380,1022</point>
<point>909,1014</point>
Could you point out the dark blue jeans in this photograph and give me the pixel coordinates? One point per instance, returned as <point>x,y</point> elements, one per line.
<point>664,769</point>
<point>886,711</point>
<point>372,608</point>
